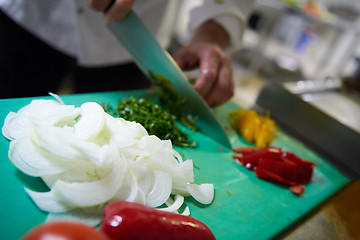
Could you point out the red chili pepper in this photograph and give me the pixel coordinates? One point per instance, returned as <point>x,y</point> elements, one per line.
<point>274,170</point>
<point>271,163</point>
<point>304,172</point>
<point>287,173</point>
<point>292,157</point>
<point>238,159</point>
<point>124,220</point>
<point>266,152</point>
<point>297,189</point>
<point>245,150</point>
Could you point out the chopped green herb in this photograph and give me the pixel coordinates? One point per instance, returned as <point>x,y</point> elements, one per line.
<point>192,81</point>
<point>171,100</point>
<point>155,119</point>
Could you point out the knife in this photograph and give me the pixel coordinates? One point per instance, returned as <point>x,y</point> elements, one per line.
<point>149,55</point>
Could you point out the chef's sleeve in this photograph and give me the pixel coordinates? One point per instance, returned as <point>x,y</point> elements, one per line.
<point>231,15</point>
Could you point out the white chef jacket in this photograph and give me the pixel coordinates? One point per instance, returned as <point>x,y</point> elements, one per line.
<point>76,30</point>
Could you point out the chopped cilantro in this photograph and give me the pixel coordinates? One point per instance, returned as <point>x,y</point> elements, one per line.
<point>155,119</point>
<point>159,120</point>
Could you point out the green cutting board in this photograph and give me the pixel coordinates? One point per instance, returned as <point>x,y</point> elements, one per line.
<point>244,207</point>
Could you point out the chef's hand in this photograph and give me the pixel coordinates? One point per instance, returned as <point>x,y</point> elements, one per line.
<point>118,10</point>
<point>215,81</point>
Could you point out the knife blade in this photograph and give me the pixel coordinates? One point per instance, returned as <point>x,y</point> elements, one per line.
<point>149,55</point>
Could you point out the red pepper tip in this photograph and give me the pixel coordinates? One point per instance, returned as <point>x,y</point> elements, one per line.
<point>297,189</point>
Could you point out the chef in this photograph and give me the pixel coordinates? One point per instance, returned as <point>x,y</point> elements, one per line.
<point>41,41</point>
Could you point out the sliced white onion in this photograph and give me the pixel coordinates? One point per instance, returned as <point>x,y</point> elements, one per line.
<point>47,202</point>
<point>91,122</point>
<point>50,112</point>
<point>91,216</point>
<point>203,193</point>
<point>186,211</point>
<point>57,97</point>
<point>177,156</point>
<point>130,190</point>
<point>136,128</point>
<point>92,193</point>
<point>50,180</point>
<point>16,125</point>
<point>91,152</point>
<point>26,158</point>
<point>144,176</point>
<point>89,159</point>
<point>182,173</point>
<point>181,190</point>
<point>56,141</point>
<point>162,185</point>
<point>119,132</point>
<point>173,206</point>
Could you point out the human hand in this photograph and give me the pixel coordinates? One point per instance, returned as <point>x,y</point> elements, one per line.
<point>117,11</point>
<point>215,81</point>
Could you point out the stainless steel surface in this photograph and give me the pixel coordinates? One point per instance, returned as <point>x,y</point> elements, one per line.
<point>326,95</point>
<point>328,136</point>
<point>307,86</point>
<point>338,106</point>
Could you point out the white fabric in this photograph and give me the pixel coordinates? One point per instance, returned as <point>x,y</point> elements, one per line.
<point>74,29</point>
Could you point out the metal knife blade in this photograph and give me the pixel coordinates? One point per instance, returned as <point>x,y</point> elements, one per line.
<point>149,55</point>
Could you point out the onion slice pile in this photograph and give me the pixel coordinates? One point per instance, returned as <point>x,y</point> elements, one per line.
<point>89,159</point>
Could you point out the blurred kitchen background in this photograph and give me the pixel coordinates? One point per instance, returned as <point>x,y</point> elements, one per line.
<point>300,60</point>
<point>312,38</point>
<point>313,41</point>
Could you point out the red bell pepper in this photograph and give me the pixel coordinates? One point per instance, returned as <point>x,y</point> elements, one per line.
<point>245,150</point>
<point>274,170</point>
<point>297,189</point>
<point>304,172</point>
<point>292,157</point>
<point>250,159</point>
<point>126,220</point>
<point>271,163</point>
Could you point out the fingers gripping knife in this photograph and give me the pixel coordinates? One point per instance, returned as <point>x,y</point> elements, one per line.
<point>150,56</point>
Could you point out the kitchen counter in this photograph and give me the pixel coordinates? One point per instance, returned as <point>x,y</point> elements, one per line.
<point>337,218</point>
